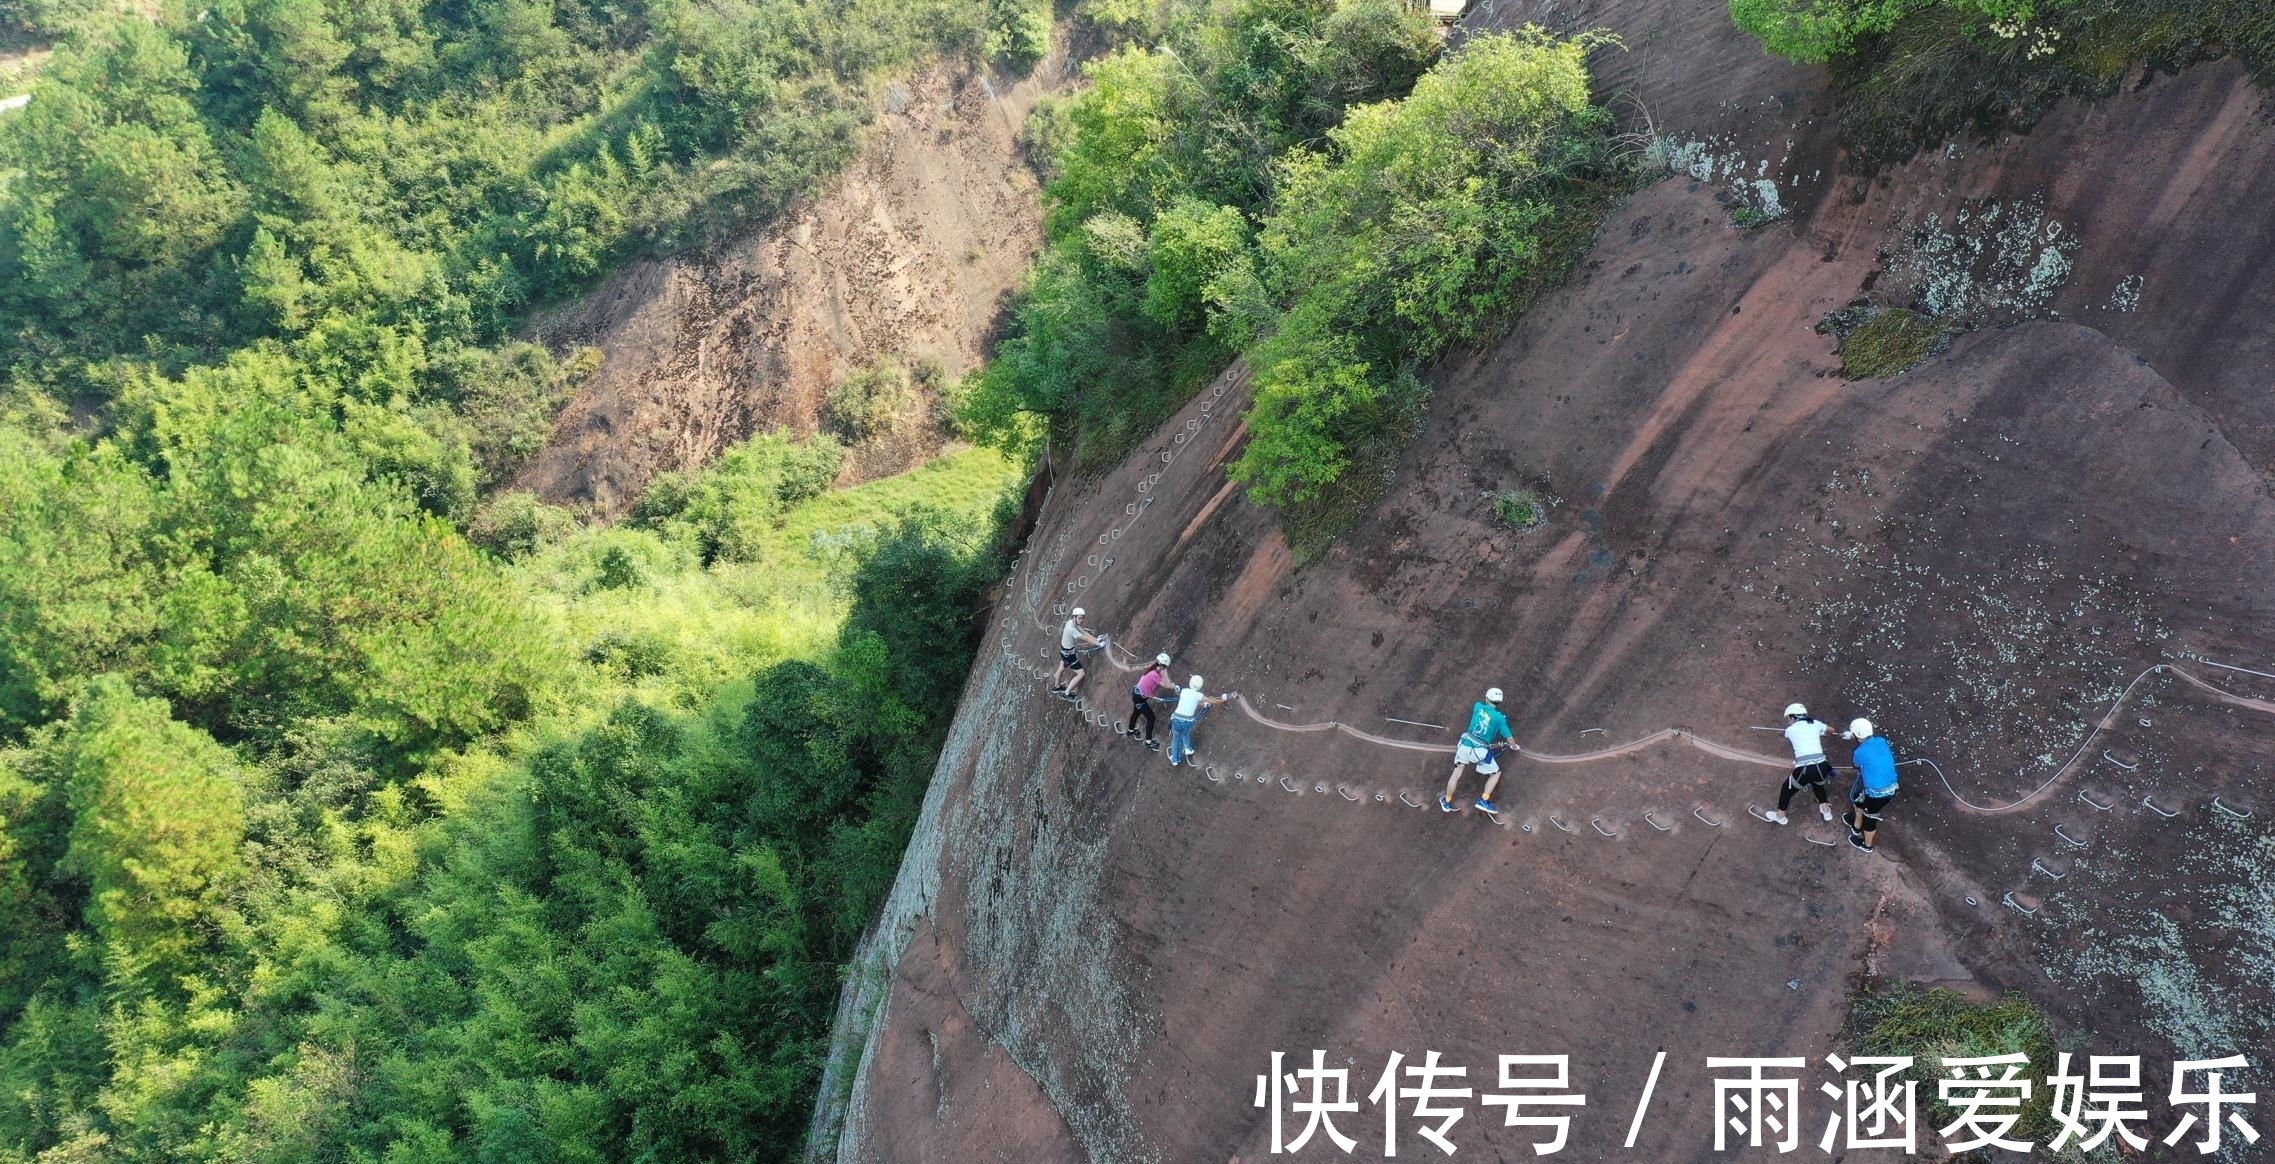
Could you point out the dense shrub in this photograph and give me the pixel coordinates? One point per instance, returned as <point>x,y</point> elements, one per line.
<point>1260,186</point>
<point>867,404</point>
<point>1158,173</point>
<point>1426,222</point>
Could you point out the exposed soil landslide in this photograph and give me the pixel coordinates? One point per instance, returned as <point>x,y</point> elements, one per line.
<point>907,256</point>
<point>2022,558</point>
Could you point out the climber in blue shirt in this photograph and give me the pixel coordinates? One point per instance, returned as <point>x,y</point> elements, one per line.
<point>1875,783</point>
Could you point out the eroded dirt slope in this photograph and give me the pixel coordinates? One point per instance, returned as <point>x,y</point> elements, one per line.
<point>2023,558</point>
<point>907,257</point>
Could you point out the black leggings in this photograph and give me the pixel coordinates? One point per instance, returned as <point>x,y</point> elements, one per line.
<point>1869,808</point>
<point>1141,706</point>
<point>1812,777</point>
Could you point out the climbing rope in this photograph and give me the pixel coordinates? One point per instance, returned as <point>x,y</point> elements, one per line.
<point>1034,587</point>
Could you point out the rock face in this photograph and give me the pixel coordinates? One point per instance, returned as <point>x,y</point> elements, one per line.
<point>907,256</point>
<point>2022,558</point>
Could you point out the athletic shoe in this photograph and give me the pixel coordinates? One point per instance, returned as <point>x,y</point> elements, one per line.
<point>1488,808</point>
<point>1151,746</point>
<point>1856,841</point>
<point>1445,805</point>
<point>1056,689</point>
<point>1776,817</point>
<point>1173,762</point>
<point>1826,811</point>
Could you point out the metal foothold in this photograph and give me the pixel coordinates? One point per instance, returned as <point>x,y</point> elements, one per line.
<point>1585,731</point>
<point>2144,723</point>
<point>2009,899</point>
<point>1757,815</point>
<point>2038,866</point>
<point>2243,814</point>
<point>1210,772</point>
<point>1102,539</point>
<point>2067,837</point>
<point>1559,824</point>
<point>1130,509</point>
<point>1380,798</point>
<point>1410,803</point>
<point>1815,841</point>
<point>1345,793</point>
<point>1700,813</point>
<point>1289,784</point>
<point>2149,802</point>
<point>2120,763</point>
<point>1240,776</point>
<point>1654,823</point>
<point>1525,825</point>
<point>1597,824</point>
<point>2096,805</point>
<point>1319,788</point>
<point>1970,901</point>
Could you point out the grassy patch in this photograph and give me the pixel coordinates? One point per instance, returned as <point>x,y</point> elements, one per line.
<point>1932,1024</point>
<point>1887,343</point>
<point>1520,509</point>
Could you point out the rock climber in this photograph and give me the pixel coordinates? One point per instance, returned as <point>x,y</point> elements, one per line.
<point>1150,685</point>
<point>1192,701</point>
<point>1072,638</point>
<point>1810,768</point>
<point>1481,744</point>
<point>1875,783</point>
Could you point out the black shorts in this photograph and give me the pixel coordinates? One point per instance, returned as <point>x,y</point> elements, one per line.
<point>1870,806</point>
<point>1805,775</point>
<point>1071,659</point>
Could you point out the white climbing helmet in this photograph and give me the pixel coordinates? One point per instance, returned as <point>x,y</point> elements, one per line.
<point>1795,709</point>
<point>1162,659</point>
<point>1195,683</point>
<point>1492,695</point>
<point>1078,612</point>
<point>1860,728</point>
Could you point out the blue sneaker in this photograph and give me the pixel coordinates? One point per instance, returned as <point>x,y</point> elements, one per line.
<point>1488,808</point>
<point>1444,805</point>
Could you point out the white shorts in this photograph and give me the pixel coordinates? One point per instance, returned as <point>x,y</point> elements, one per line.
<point>1464,754</point>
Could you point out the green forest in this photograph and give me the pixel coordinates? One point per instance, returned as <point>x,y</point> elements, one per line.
<point>353,805</point>
<point>358,806</point>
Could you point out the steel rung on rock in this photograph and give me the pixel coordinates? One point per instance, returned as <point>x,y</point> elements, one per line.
<point>2243,814</point>
<point>2009,899</point>
<point>2149,802</point>
<point>2067,837</point>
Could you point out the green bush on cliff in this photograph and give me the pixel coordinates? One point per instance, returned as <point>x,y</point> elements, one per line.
<point>1265,188</point>
<point>1425,222</point>
<point>1911,74</point>
<point>1159,172</point>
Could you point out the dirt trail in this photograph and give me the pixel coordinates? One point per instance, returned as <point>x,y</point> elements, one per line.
<point>1992,555</point>
<point>908,255</point>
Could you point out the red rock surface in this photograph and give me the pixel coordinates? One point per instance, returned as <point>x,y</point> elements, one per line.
<point>1091,955</point>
